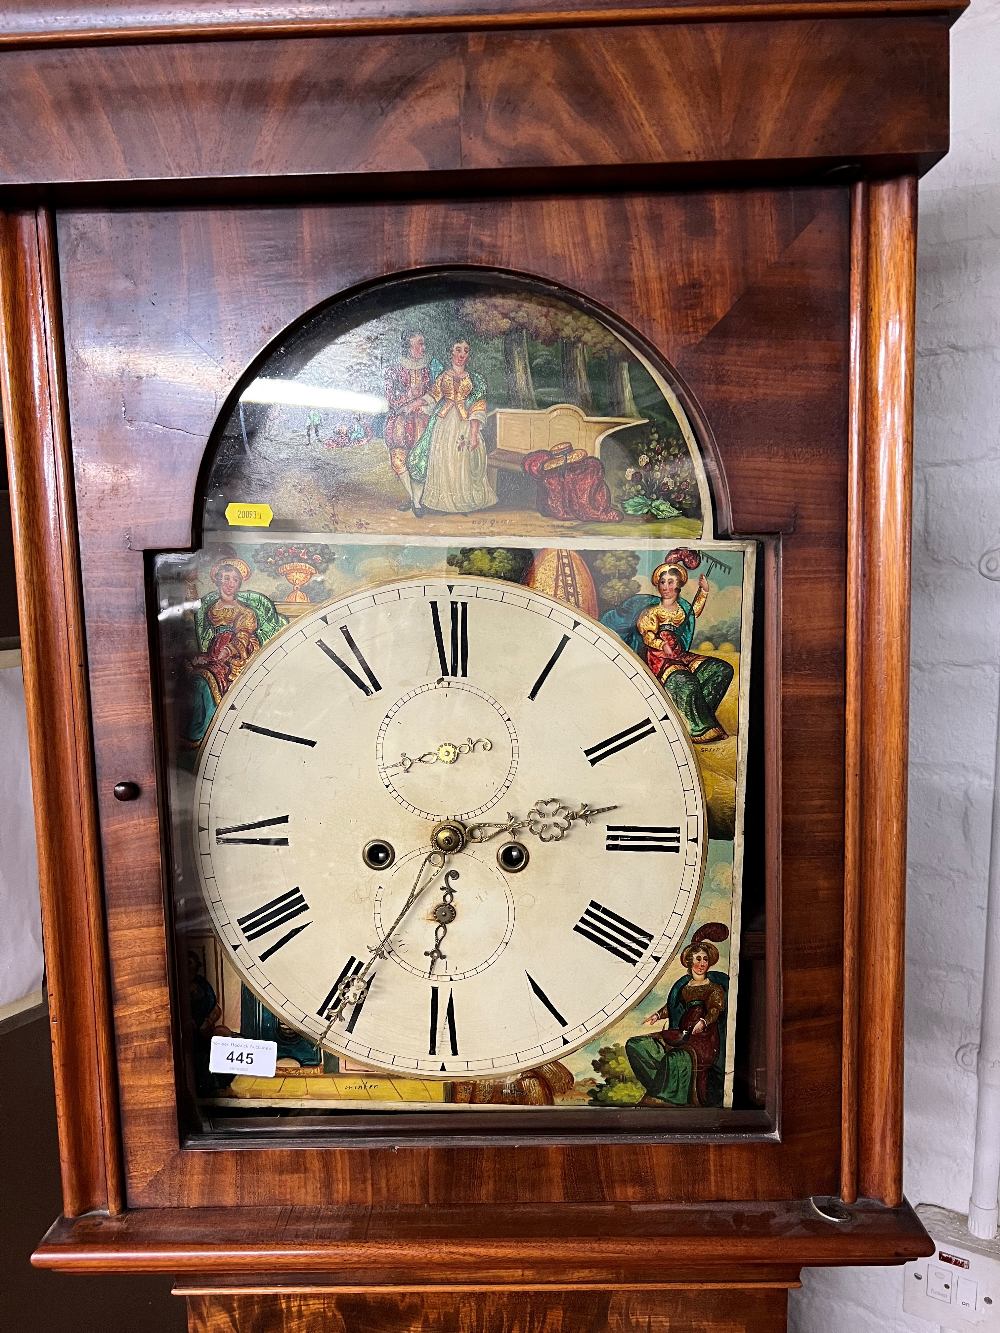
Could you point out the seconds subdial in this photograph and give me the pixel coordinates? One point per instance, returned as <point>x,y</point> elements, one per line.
<point>447,748</point>
<point>480,918</point>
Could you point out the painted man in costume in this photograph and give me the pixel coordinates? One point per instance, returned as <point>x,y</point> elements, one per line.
<point>661,630</point>
<point>406,387</point>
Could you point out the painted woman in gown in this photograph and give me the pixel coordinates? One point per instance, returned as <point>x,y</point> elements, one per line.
<point>230,626</point>
<point>661,631</point>
<point>683,1064</point>
<point>447,465</point>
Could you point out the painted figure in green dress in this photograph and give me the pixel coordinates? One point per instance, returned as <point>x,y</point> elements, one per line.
<point>661,629</point>
<point>684,1063</point>
<point>447,466</point>
<point>230,625</point>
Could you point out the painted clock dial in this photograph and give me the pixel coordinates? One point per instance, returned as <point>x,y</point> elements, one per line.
<point>345,743</point>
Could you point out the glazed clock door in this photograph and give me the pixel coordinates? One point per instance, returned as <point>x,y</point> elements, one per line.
<point>466,719</point>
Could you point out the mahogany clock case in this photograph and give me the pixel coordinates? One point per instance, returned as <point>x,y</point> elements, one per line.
<point>756,230</point>
<point>209,289</point>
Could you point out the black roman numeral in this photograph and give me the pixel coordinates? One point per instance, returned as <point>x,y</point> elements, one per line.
<point>367,686</point>
<point>615,933</point>
<point>350,969</point>
<point>544,673</point>
<point>642,838</point>
<point>540,994</point>
<point>621,740</point>
<point>456,661</point>
<point>225,836</point>
<point>277,735</point>
<point>272,916</point>
<point>449,1022</point>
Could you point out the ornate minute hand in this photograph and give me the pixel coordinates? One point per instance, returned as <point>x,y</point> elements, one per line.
<point>352,988</point>
<point>549,820</point>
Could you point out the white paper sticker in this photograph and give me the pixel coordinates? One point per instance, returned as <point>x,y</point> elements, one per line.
<point>240,1055</point>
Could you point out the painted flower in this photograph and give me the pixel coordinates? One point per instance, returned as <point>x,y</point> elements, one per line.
<point>644,460</point>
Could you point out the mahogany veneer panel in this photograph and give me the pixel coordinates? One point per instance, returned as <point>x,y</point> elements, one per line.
<point>747,294</point>
<point>517,103</point>
<point>761,1311</point>
<point>446,1246</point>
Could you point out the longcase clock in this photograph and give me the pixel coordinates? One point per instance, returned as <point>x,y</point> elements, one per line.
<point>460,467</point>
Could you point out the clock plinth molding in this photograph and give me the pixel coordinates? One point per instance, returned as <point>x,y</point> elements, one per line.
<point>423,1232</point>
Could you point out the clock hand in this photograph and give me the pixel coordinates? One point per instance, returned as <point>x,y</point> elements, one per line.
<point>351,990</point>
<point>549,820</point>
<point>445,753</point>
<point>444,914</point>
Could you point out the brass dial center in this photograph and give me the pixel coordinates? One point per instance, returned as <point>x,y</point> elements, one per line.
<point>449,836</point>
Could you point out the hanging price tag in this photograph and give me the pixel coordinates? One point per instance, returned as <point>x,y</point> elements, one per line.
<point>241,1055</point>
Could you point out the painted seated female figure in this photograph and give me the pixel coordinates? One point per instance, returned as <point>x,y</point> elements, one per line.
<point>230,625</point>
<point>684,1064</point>
<point>662,633</point>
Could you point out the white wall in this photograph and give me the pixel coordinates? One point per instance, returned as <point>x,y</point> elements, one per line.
<point>954,678</point>
<point>21,936</point>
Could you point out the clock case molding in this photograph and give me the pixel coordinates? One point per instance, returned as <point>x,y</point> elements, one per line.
<point>391,138</point>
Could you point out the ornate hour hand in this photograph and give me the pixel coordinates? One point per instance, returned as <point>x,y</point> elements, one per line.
<point>448,752</point>
<point>549,820</point>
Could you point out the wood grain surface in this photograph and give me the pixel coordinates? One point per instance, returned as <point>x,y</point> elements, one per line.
<point>702,1311</point>
<point>83,21</point>
<point>886,482</point>
<point>471,110</point>
<point>54,665</point>
<point>164,312</point>
<point>510,1245</point>
<point>853,718</point>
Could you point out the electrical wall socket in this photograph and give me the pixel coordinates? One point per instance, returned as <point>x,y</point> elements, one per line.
<point>958,1287</point>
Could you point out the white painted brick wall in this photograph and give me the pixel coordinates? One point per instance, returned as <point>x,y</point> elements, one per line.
<point>956,645</point>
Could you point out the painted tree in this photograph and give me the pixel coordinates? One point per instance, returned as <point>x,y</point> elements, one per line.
<point>619,1085</point>
<point>620,382</point>
<point>578,336</point>
<point>513,319</point>
<point>495,562</point>
<point>582,339</point>
<point>616,581</point>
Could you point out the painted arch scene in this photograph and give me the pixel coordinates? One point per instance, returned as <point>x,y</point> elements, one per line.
<point>437,404</point>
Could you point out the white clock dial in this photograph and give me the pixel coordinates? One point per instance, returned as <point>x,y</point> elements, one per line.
<point>374,718</point>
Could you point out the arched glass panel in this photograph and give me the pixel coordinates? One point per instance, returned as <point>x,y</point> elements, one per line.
<point>348,424</point>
